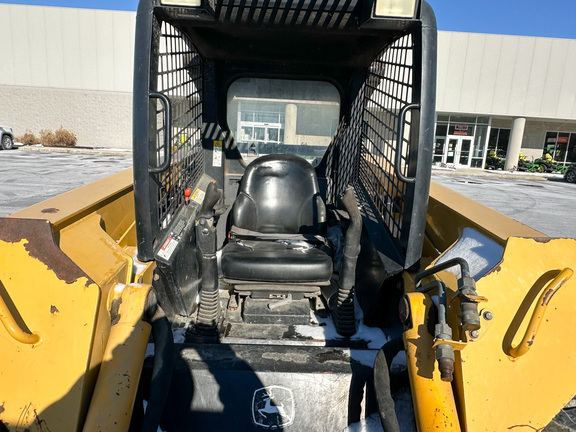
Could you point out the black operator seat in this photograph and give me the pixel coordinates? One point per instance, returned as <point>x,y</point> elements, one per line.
<point>276,226</point>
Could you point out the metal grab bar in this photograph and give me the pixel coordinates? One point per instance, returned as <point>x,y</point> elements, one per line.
<point>167,146</point>
<point>538,314</point>
<point>14,329</point>
<point>400,143</point>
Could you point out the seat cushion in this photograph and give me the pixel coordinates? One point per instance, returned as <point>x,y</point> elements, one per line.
<point>275,261</point>
<point>279,194</point>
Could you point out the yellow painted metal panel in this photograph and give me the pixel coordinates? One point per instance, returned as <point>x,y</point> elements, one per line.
<point>95,252</point>
<point>499,392</point>
<point>45,386</point>
<point>113,399</point>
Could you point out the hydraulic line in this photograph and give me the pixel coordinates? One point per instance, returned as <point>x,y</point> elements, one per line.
<point>466,291</point>
<point>382,384</point>
<point>343,312</point>
<point>161,371</point>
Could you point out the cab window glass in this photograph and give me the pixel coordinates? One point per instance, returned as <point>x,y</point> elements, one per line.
<point>270,116</point>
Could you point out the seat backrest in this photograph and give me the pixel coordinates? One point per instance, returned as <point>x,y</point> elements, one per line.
<point>279,194</point>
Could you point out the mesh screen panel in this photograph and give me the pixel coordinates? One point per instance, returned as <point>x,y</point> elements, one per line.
<point>180,74</point>
<point>364,151</point>
<point>317,13</point>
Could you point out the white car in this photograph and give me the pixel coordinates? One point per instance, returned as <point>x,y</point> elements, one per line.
<point>6,137</point>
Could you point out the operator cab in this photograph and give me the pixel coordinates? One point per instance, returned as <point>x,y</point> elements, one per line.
<point>282,169</point>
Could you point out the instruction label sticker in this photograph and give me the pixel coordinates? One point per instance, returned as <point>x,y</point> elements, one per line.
<point>198,196</point>
<point>168,248</point>
<point>217,154</point>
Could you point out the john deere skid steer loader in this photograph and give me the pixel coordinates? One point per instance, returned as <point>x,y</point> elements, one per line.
<point>278,259</point>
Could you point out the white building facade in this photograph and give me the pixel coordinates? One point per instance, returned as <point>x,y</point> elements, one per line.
<point>507,94</point>
<point>72,68</point>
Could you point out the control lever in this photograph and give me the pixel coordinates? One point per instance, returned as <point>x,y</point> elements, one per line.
<point>213,195</point>
<point>209,310</point>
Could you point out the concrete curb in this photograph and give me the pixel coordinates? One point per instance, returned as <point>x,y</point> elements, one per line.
<point>477,172</point>
<point>77,150</point>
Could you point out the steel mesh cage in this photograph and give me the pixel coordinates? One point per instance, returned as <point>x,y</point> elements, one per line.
<point>180,75</point>
<point>388,90</point>
<point>364,151</point>
<point>385,68</point>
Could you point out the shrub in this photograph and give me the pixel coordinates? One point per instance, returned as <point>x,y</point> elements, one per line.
<point>47,138</point>
<point>65,138</point>
<point>61,138</point>
<point>28,138</point>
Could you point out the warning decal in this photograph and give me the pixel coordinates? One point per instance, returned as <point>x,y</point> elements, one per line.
<point>217,154</point>
<point>168,248</point>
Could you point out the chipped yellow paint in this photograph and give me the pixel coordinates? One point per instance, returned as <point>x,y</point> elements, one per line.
<point>68,302</point>
<point>115,391</point>
<point>40,382</point>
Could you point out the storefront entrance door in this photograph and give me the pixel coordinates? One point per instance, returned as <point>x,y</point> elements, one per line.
<point>458,150</point>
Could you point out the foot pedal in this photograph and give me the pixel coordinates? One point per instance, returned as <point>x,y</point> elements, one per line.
<point>276,311</point>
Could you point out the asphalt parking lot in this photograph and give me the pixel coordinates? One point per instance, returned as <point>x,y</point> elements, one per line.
<point>29,177</point>
<point>545,203</point>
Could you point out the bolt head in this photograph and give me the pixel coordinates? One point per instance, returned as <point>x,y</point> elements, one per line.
<point>474,334</point>
<point>488,316</point>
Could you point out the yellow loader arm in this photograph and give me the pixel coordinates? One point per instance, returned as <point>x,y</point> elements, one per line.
<point>73,340</point>
<point>518,369</point>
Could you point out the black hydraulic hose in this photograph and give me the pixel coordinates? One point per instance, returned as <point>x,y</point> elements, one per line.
<point>444,351</point>
<point>464,269</point>
<point>344,318</point>
<point>161,371</point>
<point>466,291</point>
<point>382,384</point>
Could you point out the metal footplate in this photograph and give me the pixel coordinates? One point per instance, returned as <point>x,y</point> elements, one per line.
<point>254,387</point>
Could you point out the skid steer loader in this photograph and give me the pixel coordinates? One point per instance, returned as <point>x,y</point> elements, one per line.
<point>278,259</point>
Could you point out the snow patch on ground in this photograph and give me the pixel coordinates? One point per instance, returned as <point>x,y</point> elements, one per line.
<point>326,330</point>
<point>179,335</point>
<point>404,412</point>
<point>370,424</point>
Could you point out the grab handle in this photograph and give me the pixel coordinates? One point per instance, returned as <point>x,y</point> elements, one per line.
<point>14,329</point>
<point>167,133</point>
<point>400,143</point>
<point>538,314</point>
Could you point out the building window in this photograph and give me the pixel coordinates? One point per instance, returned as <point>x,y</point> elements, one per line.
<point>440,141</point>
<point>561,146</point>
<point>479,147</point>
<point>498,141</point>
